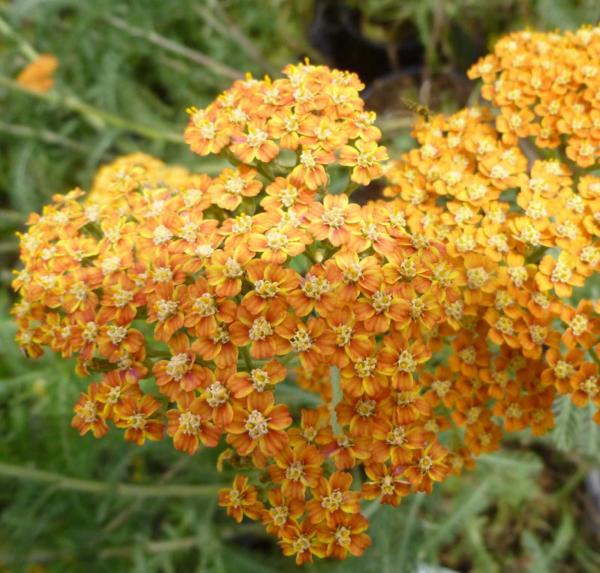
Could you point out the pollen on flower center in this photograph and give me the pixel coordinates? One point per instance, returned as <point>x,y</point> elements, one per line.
<point>221,335</point>
<point>279,514</point>
<point>301,341</point>
<point>386,485</point>
<point>343,536</point>
<point>397,436</point>
<point>138,422</point>
<point>122,297</point>
<point>590,386</point>
<point>233,269</point>
<point>216,394</point>
<point>276,240</point>
<point>205,305</point>
<point>256,138</point>
<point>353,273</point>
<point>90,331</point>
<point>406,362</point>
<point>381,301</point>
<point>161,235</point>
<point>425,464</point>
<point>365,367</point>
<point>301,544</point>
<point>288,196</point>
<point>579,324</point>
<point>260,379</point>
<point>561,273</point>
<point>441,387</point>
<point>334,217</point>
<point>261,328</point>
<point>343,334</point>
<point>514,411</point>
<point>256,425</point>
<point>417,306</point>
<point>295,471</point>
<point>89,412</point>
<point>165,309</point>
<point>408,269</point>
<point>314,287</point>
<point>365,408</point>
<point>266,288</point>
<point>189,423</point>
<point>505,326</point>
<point>468,355</point>
<point>307,159</point>
<point>538,333</point>
<point>162,274</point>
<point>116,334</point>
<point>178,366</point>
<point>207,130</point>
<point>477,277</point>
<point>235,185</point>
<point>334,501</point>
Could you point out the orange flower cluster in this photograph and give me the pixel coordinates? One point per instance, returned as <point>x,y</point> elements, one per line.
<point>547,86</point>
<point>417,327</point>
<point>520,235</point>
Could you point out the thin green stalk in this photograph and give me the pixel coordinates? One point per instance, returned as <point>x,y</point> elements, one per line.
<point>63,482</point>
<point>537,255</point>
<point>227,28</point>
<point>175,48</point>
<point>336,396</point>
<point>594,356</point>
<point>97,117</point>
<point>247,358</point>
<point>26,48</point>
<point>44,135</point>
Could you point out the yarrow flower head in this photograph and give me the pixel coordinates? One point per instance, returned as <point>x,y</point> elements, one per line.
<point>225,290</point>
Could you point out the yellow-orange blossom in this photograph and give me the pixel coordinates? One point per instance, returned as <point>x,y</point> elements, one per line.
<point>220,289</point>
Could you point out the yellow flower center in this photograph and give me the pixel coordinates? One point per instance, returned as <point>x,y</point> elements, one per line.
<point>260,379</point>
<point>216,394</point>
<point>178,366</point>
<point>295,471</point>
<point>261,328</point>
<point>165,309</point>
<point>189,423</point>
<point>334,217</point>
<point>365,367</point>
<point>381,301</point>
<point>256,425</point>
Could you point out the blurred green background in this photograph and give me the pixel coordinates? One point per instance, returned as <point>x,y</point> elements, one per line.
<point>128,70</point>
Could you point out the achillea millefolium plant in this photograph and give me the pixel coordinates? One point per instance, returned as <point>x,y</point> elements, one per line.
<point>426,324</point>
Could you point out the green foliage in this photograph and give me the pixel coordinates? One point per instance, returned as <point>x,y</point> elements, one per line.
<point>122,89</point>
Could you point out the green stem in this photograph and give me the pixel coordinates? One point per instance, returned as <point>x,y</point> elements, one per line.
<point>264,171</point>
<point>336,397</point>
<point>594,356</point>
<point>63,482</point>
<point>44,135</point>
<point>247,358</point>
<point>350,188</point>
<point>536,255</point>
<point>175,48</point>
<point>97,117</point>
<point>26,48</point>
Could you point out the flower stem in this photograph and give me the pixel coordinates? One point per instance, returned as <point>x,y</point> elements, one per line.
<point>97,117</point>
<point>63,482</point>
<point>336,396</point>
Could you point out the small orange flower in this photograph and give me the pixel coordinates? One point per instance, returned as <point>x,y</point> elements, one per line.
<point>241,500</point>
<point>137,416</point>
<point>188,426</point>
<point>88,413</point>
<point>259,424</point>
